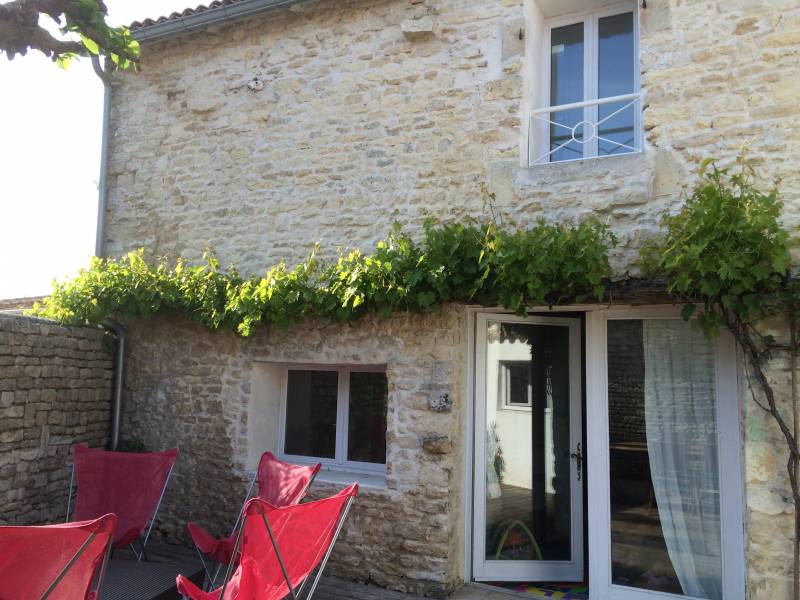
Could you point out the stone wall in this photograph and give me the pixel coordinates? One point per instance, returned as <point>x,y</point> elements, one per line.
<point>198,395</point>
<point>387,110</point>
<point>55,391</point>
<point>358,126</point>
<point>770,512</point>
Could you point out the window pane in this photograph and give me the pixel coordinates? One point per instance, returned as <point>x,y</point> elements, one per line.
<point>366,440</point>
<point>615,78</point>
<point>528,467</point>
<point>566,86</point>
<point>664,472</point>
<point>311,413</point>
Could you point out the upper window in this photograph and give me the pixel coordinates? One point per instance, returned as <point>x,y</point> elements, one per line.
<point>336,416</point>
<point>591,87</point>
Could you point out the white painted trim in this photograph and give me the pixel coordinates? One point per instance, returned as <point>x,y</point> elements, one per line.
<point>526,570</point>
<point>729,450</point>
<point>597,453</point>
<point>339,462</point>
<point>342,415</point>
<point>469,454</point>
<point>731,453</point>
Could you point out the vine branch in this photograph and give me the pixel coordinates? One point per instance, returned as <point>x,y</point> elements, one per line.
<point>754,356</point>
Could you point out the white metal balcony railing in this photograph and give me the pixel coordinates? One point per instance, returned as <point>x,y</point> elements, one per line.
<point>582,131</point>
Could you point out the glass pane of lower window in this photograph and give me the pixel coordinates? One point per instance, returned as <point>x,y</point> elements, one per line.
<point>664,470</point>
<point>615,78</point>
<point>366,438</point>
<point>566,86</point>
<point>311,399</point>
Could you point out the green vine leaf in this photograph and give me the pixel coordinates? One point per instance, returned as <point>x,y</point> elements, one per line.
<point>726,249</point>
<point>546,264</point>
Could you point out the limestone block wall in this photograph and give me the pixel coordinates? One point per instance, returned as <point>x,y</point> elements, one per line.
<point>192,389</point>
<point>55,391</point>
<point>365,119</point>
<point>769,509</point>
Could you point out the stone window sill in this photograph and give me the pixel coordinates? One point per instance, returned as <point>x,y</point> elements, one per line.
<point>622,166</point>
<point>592,162</point>
<point>376,481</point>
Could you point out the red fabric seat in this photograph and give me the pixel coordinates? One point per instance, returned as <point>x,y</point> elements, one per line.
<point>219,550</point>
<point>32,558</point>
<point>279,483</point>
<point>124,483</point>
<point>303,534</point>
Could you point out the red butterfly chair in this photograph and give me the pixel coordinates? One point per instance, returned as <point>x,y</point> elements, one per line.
<point>280,548</point>
<point>279,483</point>
<point>131,485</point>
<point>57,562</point>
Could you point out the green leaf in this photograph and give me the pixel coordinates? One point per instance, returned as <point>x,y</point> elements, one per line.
<point>687,311</point>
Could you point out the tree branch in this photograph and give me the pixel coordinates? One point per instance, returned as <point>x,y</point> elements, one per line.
<point>20,30</point>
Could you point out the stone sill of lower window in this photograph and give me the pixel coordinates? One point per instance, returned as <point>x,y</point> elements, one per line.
<point>376,481</point>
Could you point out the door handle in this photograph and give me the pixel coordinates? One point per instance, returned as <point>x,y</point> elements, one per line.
<point>578,456</point>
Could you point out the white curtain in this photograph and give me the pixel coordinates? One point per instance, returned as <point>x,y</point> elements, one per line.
<point>680,419</point>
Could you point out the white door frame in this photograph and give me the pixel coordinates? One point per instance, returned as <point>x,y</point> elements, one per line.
<point>526,570</point>
<point>597,443</point>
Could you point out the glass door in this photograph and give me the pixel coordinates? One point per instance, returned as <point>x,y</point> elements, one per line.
<point>528,517</point>
<point>665,484</point>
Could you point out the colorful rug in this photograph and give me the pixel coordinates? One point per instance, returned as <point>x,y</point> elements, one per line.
<point>557,591</point>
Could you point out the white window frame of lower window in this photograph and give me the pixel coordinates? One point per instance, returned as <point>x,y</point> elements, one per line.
<point>540,136</point>
<point>729,440</point>
<point>339,462</point>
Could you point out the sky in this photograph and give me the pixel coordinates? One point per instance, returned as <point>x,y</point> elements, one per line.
<point>50,127</point>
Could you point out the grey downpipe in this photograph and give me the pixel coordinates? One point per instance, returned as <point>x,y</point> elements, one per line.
<point>99,251</point>
<point>119,372</point>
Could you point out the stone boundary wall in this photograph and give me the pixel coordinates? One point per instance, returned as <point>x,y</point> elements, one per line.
<point>55,391</point>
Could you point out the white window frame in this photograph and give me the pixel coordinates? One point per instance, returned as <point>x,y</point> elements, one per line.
<point>505,387</point>
<point>339,462</point>
<point>729,448</point>
<point>540,137</point>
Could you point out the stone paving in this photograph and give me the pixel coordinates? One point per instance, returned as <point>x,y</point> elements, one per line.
<point>332,588</point>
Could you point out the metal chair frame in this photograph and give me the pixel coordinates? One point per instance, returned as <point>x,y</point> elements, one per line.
<point>73,560</point>
<point>294,594</point>
<point>151,521</point>
<point>208,577</point>
<point>213,578</point>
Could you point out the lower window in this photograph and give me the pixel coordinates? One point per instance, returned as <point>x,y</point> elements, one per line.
<point>336,416</point>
